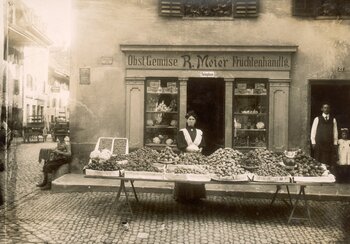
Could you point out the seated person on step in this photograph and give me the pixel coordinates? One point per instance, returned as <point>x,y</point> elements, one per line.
<point>58,156</point>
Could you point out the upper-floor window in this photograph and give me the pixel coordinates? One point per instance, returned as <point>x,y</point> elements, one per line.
<point>319,8</point>
<point>209,8</point>
<point>29,82</point>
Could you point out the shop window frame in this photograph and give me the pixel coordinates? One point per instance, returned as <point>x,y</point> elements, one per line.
<point>321,9</point>
<point>147,112</point>
<point>236,8</point>
<point>265,114</point>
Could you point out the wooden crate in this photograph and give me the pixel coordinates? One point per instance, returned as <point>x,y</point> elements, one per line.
<point>91,172</point>
<point>317,179</point>
<point>273,179</point>
<point>144,175</point>
<point>233,178</point>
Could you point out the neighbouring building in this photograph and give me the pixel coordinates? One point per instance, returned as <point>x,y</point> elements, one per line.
<point>255,71</point>
<point>27,65</point>
<point>57,106</point>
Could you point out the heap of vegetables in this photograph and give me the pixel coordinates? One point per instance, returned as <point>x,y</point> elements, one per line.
<point>191,159</point>
<point>168,156</point>
<point>264,163</point>
<point>182,170</point>
<point>139,160</point>
<point>305,165</point>
<point>225,162</point>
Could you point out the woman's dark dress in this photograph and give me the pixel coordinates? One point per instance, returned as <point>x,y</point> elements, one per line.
<point>186,192</point>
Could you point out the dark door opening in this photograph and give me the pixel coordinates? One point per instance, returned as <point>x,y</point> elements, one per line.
<point>338,97</point>
<point>206,96</point>
<point>337,94</point>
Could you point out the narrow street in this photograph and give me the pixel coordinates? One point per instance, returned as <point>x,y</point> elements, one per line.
<point>23,169</point>
<point>34,216</point>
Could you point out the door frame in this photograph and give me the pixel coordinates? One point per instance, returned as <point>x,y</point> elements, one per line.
<point>213,79</point>
<point>312,82</point>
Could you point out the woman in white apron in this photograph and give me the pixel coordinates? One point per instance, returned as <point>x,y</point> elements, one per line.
<point>190,140</point>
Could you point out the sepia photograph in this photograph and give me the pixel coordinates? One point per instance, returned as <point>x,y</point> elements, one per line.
<point>174,121</point>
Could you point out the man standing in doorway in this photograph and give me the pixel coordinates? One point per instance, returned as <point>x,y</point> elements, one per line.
<point>324,136</point>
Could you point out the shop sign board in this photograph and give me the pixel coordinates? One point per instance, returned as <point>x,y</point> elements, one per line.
<point>207,74</point>
<point>208,61</point>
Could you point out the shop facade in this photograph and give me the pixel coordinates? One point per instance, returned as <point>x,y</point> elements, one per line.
<point>241,94</point>
<point>256,83</point>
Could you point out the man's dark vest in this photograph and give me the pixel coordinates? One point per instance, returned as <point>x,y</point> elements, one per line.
<point>324,133</point>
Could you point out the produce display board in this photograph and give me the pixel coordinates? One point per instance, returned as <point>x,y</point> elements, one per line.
<point>273,179</point>
<point>114,144</point>
<point>319,179</point>
<point>144,175</point>
<point>224,165</point>
<point>233,178</point>
<point>91,172</point>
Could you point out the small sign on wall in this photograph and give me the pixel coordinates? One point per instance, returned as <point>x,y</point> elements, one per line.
<point>84,74</point>
<point>106,60</point>
<point>207,74</point>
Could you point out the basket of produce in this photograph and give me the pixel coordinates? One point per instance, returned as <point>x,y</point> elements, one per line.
<point>104,164</point>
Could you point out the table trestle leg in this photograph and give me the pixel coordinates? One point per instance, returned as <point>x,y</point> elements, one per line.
<point>127,202</point>
<point>306,206</point>
<point>278,188</point>
<point>133,188</point>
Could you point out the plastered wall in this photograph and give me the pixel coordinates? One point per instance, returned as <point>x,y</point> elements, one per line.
<point>100,26</point>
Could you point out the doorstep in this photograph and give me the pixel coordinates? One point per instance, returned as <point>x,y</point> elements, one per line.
<point>78,183</point>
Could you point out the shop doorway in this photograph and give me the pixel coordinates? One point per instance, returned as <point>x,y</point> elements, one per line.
<point>337,94</point>
<point>206,96</point>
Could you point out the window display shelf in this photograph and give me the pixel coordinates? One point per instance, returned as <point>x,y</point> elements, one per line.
<point>256,114</point>
<point>241,147</point>
<point>173,112</point>
<point>160,93</point>
<point>257,130</point>
<point>250,95</point>
<point>160,127</point>
<point>161,112</point>
<point>158,145</point>
<point>250,114</point>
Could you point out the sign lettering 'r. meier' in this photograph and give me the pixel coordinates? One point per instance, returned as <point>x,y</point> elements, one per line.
<point>209,61</point>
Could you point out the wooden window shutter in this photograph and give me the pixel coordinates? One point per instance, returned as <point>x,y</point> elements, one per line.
<point>171,8</point>
<point>246,8</point>
<point>307,8</point>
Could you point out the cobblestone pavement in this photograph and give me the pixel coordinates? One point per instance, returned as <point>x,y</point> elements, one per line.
<point>23,170</point>
<point>94,217</point>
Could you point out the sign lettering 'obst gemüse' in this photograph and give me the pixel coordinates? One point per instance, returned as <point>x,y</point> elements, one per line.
<point>236,61</point>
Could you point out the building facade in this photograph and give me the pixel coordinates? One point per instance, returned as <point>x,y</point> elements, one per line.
<point>26,65</point>
<point>58,96</point>
<point>256,72</point>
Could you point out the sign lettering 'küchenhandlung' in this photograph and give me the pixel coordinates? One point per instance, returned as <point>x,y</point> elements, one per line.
<point>208,61</point>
